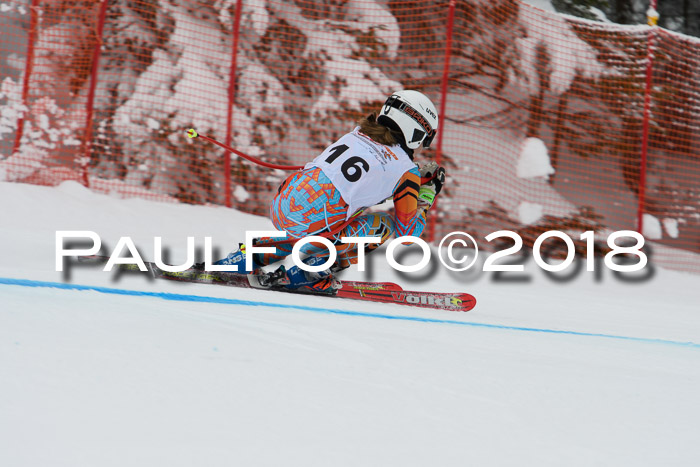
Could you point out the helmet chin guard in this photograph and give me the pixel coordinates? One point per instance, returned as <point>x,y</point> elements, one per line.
<point>413,114</point>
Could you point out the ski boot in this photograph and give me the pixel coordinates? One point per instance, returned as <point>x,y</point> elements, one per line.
<point>271,280</point>
<point>297,280</point>
<point>323,282</point>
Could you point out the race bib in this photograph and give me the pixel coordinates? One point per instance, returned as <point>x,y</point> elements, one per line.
<point>365,172</point>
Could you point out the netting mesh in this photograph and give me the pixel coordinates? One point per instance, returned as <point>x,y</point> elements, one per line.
<point>543,125</point>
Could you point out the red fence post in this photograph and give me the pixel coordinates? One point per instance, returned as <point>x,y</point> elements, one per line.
<point>443,100</point>
<point>652,18</point>
<point>33,22</point>
<point>87,137</point>
<point>231,101</point>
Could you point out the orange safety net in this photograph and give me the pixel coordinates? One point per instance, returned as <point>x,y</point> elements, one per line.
<point>544,123</point>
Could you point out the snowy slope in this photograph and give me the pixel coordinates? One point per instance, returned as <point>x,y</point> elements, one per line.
<point>540,373</point>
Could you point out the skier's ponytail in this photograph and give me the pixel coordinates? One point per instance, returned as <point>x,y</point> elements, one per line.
<point>379,133</point>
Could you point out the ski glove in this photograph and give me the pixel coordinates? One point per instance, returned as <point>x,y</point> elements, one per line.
<point>428,169</point>
<point>432,168</point>
<point>428,191</point>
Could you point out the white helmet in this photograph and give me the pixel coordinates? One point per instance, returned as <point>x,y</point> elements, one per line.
<point>412,113</point>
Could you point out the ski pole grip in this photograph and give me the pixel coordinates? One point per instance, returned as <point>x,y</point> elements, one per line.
<point>424,180</point>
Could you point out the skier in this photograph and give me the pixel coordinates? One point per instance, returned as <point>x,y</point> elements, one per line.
<point>363,168</point>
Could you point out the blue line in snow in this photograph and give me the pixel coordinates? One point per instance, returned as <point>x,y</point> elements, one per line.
<point>234,301</point>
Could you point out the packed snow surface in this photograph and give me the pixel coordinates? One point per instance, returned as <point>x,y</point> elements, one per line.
<point>579,372</point>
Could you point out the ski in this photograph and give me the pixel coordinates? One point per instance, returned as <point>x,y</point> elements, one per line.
<point>382,292</point>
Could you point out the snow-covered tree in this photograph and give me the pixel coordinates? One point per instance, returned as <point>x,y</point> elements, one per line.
<point>589,9</point>
<point>133,32</point>
<point>677,15</point>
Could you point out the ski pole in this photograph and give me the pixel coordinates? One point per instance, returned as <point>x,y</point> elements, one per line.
<point>192,133</point>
